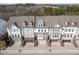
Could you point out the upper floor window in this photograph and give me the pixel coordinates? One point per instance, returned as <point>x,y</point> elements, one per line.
<point>64,35</point>
<point>39,30</point>
<point>58,29</point>
<point>72,30</point>
<point>14,30</point>
<point>53,30</point>
<point>78,35</point>
<point>45,30</point>
<point>66,30</point>
<point>69,30</point>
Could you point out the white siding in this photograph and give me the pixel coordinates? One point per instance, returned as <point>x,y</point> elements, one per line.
<point>69,33</point>
<point>14,32</point>
<point>77,34</point>
<point>55,33</point>
<point>28,32</point>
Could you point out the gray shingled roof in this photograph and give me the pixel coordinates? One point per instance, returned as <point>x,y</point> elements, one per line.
<point>20,19</point>
<point>50,21</point>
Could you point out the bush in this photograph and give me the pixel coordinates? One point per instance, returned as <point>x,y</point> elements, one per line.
<point>3,45</point>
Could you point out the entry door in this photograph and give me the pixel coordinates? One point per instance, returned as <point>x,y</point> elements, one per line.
<point>40,36</point>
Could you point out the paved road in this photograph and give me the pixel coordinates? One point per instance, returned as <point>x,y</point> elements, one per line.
<point>42,49</point>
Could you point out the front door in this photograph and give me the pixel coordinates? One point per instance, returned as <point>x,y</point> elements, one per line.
<point>40,36</point>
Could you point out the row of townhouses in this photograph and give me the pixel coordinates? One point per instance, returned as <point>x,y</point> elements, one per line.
<point>43,28</point>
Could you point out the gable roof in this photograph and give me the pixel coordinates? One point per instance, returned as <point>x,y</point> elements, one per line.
<point>57,25</point>
<point>49,20</point>
<point>20,20</point>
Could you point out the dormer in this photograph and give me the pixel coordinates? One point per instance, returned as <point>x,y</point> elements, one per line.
<point>14,25</point>
<point>74,23</point>
<point>24,24</point>
<point>31,24</point>
<point>67,23</point>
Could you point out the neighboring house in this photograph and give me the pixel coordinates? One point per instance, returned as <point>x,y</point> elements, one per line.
<point>28,30</point>
<point>77,33</point>
<point>69,33</point>
<point>55,33</point>
<point>2,27</point>
<point>21,28</point>
<point>42,27</point>
<point>14,32</point>
<point>40,30</point>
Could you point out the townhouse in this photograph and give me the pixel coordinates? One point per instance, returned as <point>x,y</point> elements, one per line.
<point>43,28</point>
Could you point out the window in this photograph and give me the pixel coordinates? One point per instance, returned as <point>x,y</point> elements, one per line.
<point>12,35</point>
<point>15,35</point>
<point>58,29</point>
<point>39,30</point>
<point>14,30</point>
<point>45,30</point>
<point>64,35</point>
<point>69,30</point>
<point>18,35</point>
<point>17,30</point>
<point>55,30</point>
<point>72,30</point>
<point>70,35</point>
<point>67,35</point>
<point>55,35</point>
<point>66,30</point>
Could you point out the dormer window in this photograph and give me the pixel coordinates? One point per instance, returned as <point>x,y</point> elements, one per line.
<point>69,30</point>
<point>41,30</point>
<point>72,30</point>
<point>67,23</point>
<point>24,24</point>
<point>14,30</point>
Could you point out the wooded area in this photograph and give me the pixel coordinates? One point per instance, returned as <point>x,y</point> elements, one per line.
<point>37,10</point>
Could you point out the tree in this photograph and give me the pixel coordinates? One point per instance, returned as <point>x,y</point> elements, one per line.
<point>3,45</point>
